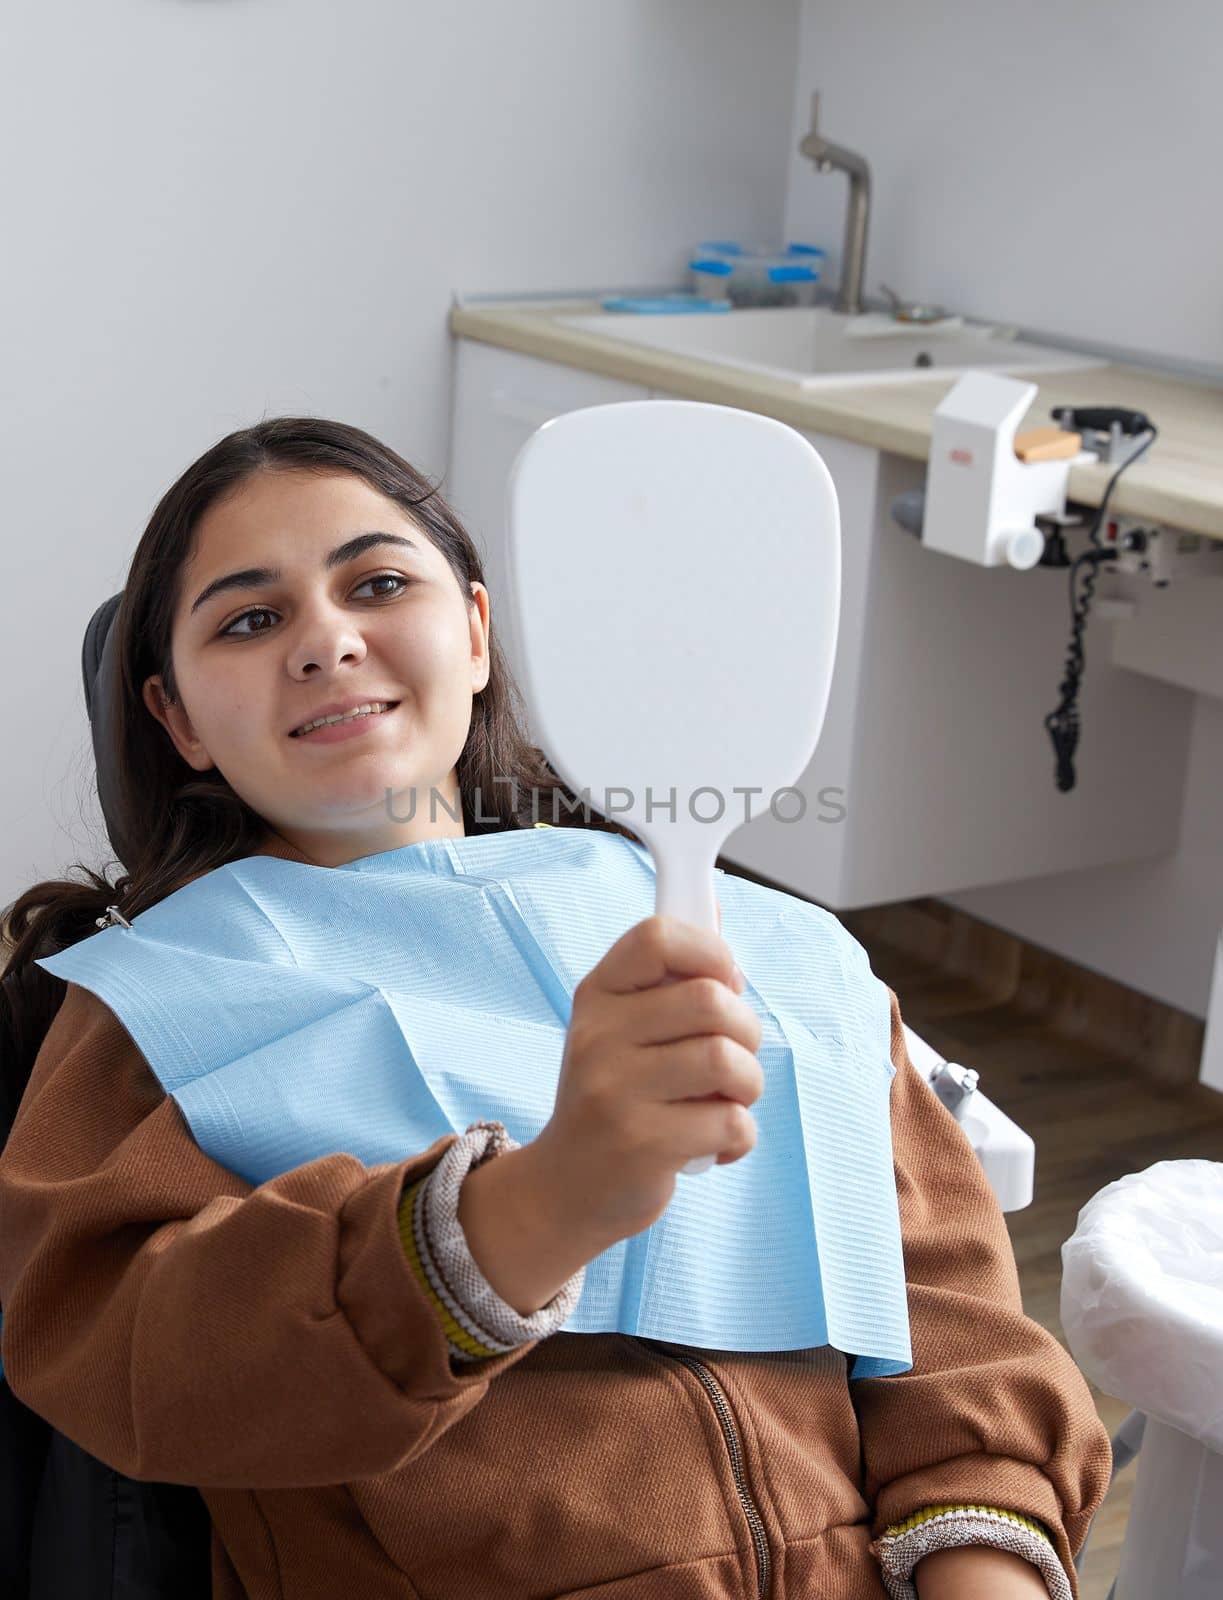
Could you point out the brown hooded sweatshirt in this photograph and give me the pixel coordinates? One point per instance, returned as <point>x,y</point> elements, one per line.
<point>276,1348</point>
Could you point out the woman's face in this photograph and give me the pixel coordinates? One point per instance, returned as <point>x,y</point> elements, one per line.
<point>256,659</point>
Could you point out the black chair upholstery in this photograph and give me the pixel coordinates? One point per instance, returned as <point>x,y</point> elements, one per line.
<point>99,669</point>
<point>71,1527</point>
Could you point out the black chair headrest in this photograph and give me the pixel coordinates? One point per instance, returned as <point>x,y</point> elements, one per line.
<point>99,668</point>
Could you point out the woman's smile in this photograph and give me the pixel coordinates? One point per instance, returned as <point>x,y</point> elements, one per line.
<point>351,727</point>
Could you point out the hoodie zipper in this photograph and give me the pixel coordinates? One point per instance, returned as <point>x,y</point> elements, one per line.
<point>730,1433</point>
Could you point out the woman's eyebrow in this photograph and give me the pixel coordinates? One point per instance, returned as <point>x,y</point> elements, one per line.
<point>254,577</point>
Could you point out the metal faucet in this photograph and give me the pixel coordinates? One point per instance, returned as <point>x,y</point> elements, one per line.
<point>829,157</point>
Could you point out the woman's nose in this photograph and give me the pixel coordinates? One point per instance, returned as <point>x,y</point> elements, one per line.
<point>325,640</point>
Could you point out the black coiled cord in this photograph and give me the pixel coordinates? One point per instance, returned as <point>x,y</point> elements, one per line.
<point>1063,723</point>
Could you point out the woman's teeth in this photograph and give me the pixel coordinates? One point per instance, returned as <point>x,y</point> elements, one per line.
<point>374,708</point>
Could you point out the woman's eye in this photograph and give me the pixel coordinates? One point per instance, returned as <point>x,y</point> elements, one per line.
<point>385,577</point>
<point>231,629</point>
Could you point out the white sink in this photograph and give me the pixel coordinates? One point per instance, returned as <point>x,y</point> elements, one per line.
<point>815,347</point>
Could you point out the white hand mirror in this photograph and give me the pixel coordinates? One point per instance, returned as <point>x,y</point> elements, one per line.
<point>675,572</point>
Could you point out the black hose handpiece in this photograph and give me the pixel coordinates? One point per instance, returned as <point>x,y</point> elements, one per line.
<point>1055,553</point>
<point>1063,723</point>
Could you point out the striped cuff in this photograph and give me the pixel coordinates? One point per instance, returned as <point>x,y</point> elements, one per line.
<point>477,1321</point>
<point>944,1527</point>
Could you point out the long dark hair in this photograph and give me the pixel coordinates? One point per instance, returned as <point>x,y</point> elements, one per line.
<point>176,824</point>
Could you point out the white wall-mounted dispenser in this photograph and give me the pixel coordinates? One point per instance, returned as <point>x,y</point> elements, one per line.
<point>981,500</point>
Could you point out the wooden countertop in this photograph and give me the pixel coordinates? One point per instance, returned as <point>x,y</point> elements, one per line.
<point>1179,482</point>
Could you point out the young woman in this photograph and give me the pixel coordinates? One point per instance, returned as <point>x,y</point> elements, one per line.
<point>363,1368</point>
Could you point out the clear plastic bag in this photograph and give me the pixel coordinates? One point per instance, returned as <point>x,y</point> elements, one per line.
<point>1142,1294</point>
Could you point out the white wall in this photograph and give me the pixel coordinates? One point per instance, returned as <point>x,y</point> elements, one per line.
<point>1054,165</point>
<point>214,210</point>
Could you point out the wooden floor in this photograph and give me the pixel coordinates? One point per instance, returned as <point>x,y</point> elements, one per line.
<point>1093,1114</point>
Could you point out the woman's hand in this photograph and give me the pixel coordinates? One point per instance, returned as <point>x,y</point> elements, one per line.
<point>643,1057</point>
<point>971,1570</point>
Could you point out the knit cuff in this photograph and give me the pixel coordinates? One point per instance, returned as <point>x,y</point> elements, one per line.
<point>478,1322</point>
<point>945,1527</point>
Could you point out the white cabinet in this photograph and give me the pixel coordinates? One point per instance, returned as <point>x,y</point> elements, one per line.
<point>934,772</point>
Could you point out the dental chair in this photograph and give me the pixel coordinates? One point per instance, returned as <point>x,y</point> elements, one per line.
<point>72,1528</point>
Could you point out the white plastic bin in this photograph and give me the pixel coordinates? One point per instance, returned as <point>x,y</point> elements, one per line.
<point>1142,1307</point>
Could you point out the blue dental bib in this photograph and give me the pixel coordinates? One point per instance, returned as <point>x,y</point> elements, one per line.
<point>294,1011</point>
